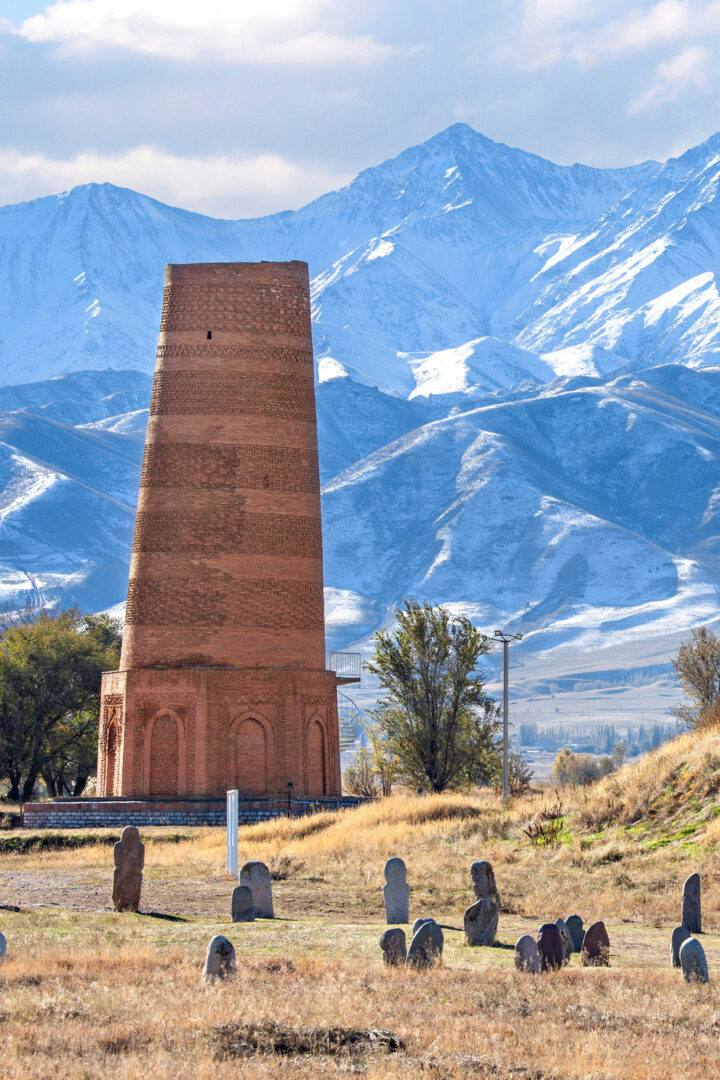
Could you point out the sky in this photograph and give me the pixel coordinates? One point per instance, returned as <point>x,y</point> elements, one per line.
<point>243,107</point>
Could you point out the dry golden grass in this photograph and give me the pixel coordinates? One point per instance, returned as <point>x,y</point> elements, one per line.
<point>88,993</point>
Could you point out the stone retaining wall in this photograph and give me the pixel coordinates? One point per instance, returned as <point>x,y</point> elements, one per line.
<point>112,813</point>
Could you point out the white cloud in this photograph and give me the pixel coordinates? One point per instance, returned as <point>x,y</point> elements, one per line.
<point>298,32</point>
<point>217,184</point>
<point>686,71</point>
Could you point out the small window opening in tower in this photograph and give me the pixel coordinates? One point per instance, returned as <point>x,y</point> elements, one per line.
<point>209,337</point>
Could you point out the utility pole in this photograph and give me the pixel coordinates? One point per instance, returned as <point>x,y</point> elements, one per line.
<point>506,639</point>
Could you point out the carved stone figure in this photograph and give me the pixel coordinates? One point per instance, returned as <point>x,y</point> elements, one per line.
<point>396,892</point>
<point>219,960</point>
<point>483,879</point>
<point>481,920</point>
<point>127,879</point>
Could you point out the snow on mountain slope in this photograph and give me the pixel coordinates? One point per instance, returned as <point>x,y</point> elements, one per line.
<point>495,432</point>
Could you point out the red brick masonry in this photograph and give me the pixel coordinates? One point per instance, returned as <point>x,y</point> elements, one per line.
<point>222,680</point>
<point>112,813</point>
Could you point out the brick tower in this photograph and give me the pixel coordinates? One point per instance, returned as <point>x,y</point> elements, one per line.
<point>222,681</point>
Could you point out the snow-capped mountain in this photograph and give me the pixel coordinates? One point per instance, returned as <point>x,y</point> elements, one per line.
<point>518,390</point>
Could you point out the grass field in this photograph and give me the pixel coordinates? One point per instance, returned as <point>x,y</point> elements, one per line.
<point>85,992</point>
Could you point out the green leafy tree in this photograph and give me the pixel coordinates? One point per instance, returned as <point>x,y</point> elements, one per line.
<point>50,669</point>
<point>519,775</point>
<point>435,720</point>
<point>697,667</point>
<point>383,763</point>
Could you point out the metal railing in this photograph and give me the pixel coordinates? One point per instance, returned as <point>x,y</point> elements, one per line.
<point>348,721</point>
<point>346,665</point>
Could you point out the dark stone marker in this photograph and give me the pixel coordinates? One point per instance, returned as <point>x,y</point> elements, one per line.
<point>596,946</point>
<point>526,954</point>
<point>693,962</point>
<point>481,920</point>
<point>426,946</point>
<point>241,909</point>
<point>220,959</point>
<point>691,918</point>
<point>679,935</point>
<point>575,929</point>
<point>392,943</point>
<point>418,923</point>
<point>550,947</point>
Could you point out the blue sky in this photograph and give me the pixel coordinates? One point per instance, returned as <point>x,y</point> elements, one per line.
<point>241,107</point>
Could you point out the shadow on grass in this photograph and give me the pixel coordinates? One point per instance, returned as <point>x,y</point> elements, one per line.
<point>162,915</point>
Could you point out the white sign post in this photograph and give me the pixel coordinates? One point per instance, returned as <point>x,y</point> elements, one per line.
<point>232,833</point>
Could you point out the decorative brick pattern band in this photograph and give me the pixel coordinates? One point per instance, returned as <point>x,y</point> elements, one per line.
<point>230,530</point>
<point>227,467</point>
<point>218,599</point>
<point>211,393</point>
<point>237,307</point>
<point>257,357</point>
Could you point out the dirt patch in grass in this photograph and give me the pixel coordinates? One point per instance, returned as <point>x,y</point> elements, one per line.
<point>243,1040</point>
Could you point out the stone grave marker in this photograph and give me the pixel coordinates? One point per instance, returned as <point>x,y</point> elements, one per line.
<point>241,905</point>
<point>575,929</point>
<point>257,877</point>
<point>129,855</point>
<point>418,923</point>
<point>527,957</point>
<point>481,920</point>
<point>596,946</point>
<point>550,947</point>
<point>679,935</point>
<point>691,916</point>
<point>693,962</point>
<point>426,946</point>
<point>219,960</point>
<point>566,940</point>
<point>392,943</point>
<point>483,880</point>
<point>396,892</point>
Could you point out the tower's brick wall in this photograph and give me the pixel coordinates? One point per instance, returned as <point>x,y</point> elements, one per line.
<point>223,680</point>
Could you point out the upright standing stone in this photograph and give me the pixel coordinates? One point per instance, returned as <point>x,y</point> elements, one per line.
<point>679,935</point>
<point>527,957</point>
<point>396,892</point>
<point>219,960</point>
<point>419,922</point>
<point>550,947</point>
<point>483,879</point>
<point>691,915</point>
<point>392,943</point>
<point>693,962</point>
<point>426,946</point>
<point>127,879</point>
<point>242,908</point>
<point>3,946</point>
<point>257,877</point>
<point>575,929</point>
<point>596,946</point>
<point>481,920</point>
<point>566,940</point>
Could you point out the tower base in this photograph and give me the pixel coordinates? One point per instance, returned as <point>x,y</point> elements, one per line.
<point>198,732</point>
